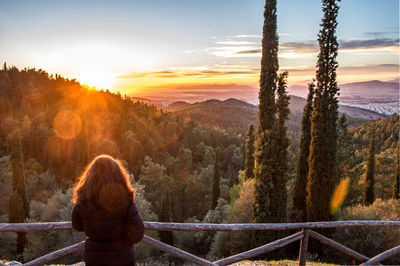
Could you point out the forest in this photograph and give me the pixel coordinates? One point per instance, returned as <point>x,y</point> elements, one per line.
<point>162,152</point>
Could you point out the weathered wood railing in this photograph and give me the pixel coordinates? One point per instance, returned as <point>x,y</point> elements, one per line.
<point>303,236</point>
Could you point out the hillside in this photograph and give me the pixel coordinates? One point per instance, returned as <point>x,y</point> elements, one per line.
<point>234,116</point>
<point>387,132</point>
<point>59,126</point>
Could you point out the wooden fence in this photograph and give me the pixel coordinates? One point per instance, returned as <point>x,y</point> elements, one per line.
<point>302,236</point>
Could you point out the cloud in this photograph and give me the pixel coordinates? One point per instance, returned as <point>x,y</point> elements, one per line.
<point>361,69</point>
<point>367,44</point>
<point>380,34</point>
<point>299,47</point>
<point>253,51</point>
<point>311,47</point>
<point>247,36</point>
<point>236,43</point>
<point>381,68</point>
<point>285,48</point>
<point>187,73</point>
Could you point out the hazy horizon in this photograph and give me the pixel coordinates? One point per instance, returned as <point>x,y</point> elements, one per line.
<point>184,48</point>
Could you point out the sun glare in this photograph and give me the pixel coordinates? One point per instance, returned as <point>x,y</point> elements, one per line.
<point>95,78</point>
<point>339,195</point>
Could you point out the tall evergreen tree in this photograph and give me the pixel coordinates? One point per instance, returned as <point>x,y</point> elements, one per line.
<point>165,216</point>
<point>18,204</point>
<point>369,193</point>
<point>300,189</point>
<point>282,142</point>
<point>271,148</point>
<point>269,68</point>
<point>345,152</point>
<point>216,180</point>
<point>249,163</point>
<point>323,147</point>
<point>396,183</point>
<point>265,146</point>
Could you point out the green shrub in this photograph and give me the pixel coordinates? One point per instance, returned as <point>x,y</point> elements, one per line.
<point>373,240</point>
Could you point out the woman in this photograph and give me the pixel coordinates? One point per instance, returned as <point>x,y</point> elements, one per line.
<point>105,210</point>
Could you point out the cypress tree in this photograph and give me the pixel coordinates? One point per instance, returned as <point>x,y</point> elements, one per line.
<point>249,170</point>
<point>165,216</point>
<point>368,193</point>
<point>271,148</point>
<point>18,203</point>
<point>282,143</point>
<point>345,151</point>
<point>300,189</point>
<point>396,194</point>
<point>265,147</point>
<point>322,159</point>
<point>396,183</point>
<point>269,68</point>
<point>216,180</point>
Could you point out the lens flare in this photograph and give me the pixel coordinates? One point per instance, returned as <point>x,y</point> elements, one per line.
<point>67,124</point>
<point>59,148</point>
<point>339,195</point>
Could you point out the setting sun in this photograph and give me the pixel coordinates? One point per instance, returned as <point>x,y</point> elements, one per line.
<point>95,77</point>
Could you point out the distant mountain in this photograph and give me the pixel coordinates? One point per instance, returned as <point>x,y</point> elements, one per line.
<point>176,106</point>
<point>378,96</point>
<point>373,88</point>
<point>231,115</point>
<point>234,116</point>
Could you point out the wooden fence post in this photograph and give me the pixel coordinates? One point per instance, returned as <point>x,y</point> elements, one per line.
<point>303,247</point>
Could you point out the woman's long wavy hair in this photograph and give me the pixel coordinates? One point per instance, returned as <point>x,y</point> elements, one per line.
<point>104,184</point>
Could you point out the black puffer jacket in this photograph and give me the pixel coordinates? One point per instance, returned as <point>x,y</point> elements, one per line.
<point>110,235</point>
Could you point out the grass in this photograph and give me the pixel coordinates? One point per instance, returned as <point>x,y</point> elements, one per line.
<point>280,263</point>
<point>241,263</point>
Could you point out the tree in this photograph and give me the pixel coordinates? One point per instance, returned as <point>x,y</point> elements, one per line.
<point>368,193</point>
<point>249,164</point>
<point>165,216</point>
<point>155,180</point>
<point>216,180</point>
<point>265,148</point>
<point>282,140</point>
<point>269,68</point>
<point>269,204</point>
<point>300,189</point>
<point>396,182</point>
<point>18,204</point>
<point>322,160</point>
<point>345,152</point>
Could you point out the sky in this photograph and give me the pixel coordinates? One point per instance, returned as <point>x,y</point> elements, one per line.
<point>192,50</point>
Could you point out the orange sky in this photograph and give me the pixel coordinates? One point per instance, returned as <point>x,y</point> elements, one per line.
<point>192,49</point>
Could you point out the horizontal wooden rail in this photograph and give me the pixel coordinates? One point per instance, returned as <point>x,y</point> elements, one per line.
<point>175,251</point>
<point>61,253</point>
<point>195,227</point>
<point>261,250</point>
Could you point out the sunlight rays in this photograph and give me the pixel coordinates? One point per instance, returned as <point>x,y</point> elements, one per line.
<point>95,77</point>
